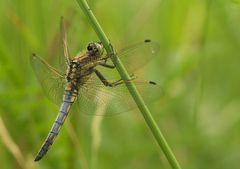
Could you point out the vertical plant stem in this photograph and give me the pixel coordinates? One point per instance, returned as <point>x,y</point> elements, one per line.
<point>131,87</point>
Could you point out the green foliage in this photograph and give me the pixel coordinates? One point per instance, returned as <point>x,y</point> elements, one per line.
<point>198,68</point>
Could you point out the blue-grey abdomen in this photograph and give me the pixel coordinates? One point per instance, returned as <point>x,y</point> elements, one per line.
<point>68,100</point>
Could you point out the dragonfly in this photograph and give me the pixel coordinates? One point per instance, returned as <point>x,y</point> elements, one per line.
<point>80,81</point>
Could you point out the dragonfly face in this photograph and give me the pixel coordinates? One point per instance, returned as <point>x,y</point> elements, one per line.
<point>84,84</point>
<point>95,49</point>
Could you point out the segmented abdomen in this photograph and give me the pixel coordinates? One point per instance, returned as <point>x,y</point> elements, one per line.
<point>68,100</point>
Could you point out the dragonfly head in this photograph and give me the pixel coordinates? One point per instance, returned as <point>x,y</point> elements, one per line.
<point>95,49</point>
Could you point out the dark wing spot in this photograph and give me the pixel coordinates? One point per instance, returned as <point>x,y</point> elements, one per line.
<point>153,83</point>
<point>147,40</point>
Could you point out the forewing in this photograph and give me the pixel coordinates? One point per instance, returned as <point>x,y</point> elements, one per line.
<point>115,99</point>
<point>139,54</point>
<point>65,56</point>
<point>52,81</point>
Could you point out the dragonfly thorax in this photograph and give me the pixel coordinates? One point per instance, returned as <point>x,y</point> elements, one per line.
<point>82,65</point>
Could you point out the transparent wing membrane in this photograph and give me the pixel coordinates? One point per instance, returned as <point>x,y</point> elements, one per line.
<point>51,80</point>
<point>139,54</point>
<point>65,56</point>
<point>115,99</point>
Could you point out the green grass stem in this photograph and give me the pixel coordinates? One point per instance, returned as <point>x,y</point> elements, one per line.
<point>131,87</point>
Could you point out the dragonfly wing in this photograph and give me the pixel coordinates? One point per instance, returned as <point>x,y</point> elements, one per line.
<point>59,47</point>
<point>115,99</point>
<point>65,59</point>
<point>52,80</point>
<point>139,54</point>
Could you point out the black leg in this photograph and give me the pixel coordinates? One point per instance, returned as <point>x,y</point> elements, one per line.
<point>107,65</point>
<point>103,79</point>
<point>107,83</point>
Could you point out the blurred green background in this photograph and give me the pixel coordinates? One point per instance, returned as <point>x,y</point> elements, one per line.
<point>198,69</point>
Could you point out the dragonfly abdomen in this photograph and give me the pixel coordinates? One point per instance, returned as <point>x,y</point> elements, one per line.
<point>68,100</point>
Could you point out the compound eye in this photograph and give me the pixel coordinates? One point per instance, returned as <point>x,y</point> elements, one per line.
<point>89,47</point>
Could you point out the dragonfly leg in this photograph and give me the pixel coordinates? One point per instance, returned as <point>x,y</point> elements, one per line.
<point>121,81</point>
<point>107,83</point>
<point>107,65</point>
<point>103,63</point>
<point>103,79</point>
<point>109,55</point>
